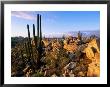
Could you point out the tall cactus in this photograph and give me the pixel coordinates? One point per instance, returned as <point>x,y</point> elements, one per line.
<point>37,29</point>
<point>40,32</point>
<point>27,51</point>
<point>28,43</point>
<point>35,38</point>
<point>39,40</point>
<point>30,50</point>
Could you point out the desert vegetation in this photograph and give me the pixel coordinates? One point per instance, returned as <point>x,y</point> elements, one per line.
<point>67,56</point>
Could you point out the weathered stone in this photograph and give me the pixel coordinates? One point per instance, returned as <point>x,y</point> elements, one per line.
<point>94,67</point>
<point>66,73</point>
<point>93,53</point>
<point>71,48</point>
<point>26,69</point>
<point>92,48</point>
<point>81,74</point>
<point>71,74</point>
<point>93,71</point>
<point>54,75</point>
<point>71,55</point>
<point>71,65</point>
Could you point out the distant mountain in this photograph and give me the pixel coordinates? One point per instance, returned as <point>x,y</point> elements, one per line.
<point>89,33</point>
<point>74,34</point>
<point>84,33</point>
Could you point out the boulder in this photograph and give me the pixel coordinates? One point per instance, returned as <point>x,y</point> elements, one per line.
<point>93,53</point>
<point>26,69</point>
<point>54,75</point>
<point>71,65</point>
<point>92,48</point>
<point>71,74</point>
<point>81,74</point>
<point>71,47</point>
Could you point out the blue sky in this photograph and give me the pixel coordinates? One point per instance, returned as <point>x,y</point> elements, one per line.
<point>54,22</point>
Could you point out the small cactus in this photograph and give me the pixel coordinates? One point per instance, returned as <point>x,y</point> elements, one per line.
<point>79,35</point>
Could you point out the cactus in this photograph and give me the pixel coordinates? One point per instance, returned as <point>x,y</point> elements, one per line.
<point>30,50</point>
<point>39,40</point>
<point>27,52</point>
<point>26,48</point>
<point>35,38</point>
<point>37,29</point>
<point>28,42</point>
<point>21,52</point>
<point>40,31</point>
<point>79,35</point>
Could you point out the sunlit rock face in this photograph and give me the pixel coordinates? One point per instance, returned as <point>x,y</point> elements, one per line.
<point>71,48</point>
<point>94,67</point>
<point>93,53</point>
<point>46,43</point>
<point>92,48</point>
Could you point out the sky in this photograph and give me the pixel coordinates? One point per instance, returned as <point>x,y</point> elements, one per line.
<point>54,22</point>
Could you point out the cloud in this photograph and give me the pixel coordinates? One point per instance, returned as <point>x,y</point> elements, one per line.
<point>23,15</point>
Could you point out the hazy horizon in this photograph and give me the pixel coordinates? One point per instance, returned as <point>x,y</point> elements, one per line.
<point>71,33</point>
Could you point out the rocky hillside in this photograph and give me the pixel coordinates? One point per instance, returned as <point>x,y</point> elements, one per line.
<point>67,57</point>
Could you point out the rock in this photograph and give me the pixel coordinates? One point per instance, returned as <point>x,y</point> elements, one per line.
<point>27,74</point>
<point>83,68</point>
<point>56,45</point>
<point>71,48</point>
<point>26,69</point>
<point>49,71</point>
<point>71,74</point>
<point>96,44</point>
<point>13,74</point>
<point>93,53</point>
<point>71,65</point>
<point>46,43</point>
<point>54,75</point>
<point>94,67</point>
<point>81,74</point>
<point>65,42</point>
<point>71,55</point>
<point>66,73</point>
<point>24,55</point>
<point>93,71</point>
<point>89,52</point>
<point>92,48</point>
<point>87,61</point>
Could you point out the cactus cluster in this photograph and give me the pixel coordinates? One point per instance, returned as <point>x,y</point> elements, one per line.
<point>37,41</point>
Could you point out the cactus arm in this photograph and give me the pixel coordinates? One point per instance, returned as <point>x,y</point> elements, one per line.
<point>29,43</point>
<point>38,29</point>
<point>33,30</point>
<point>35,38</point>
